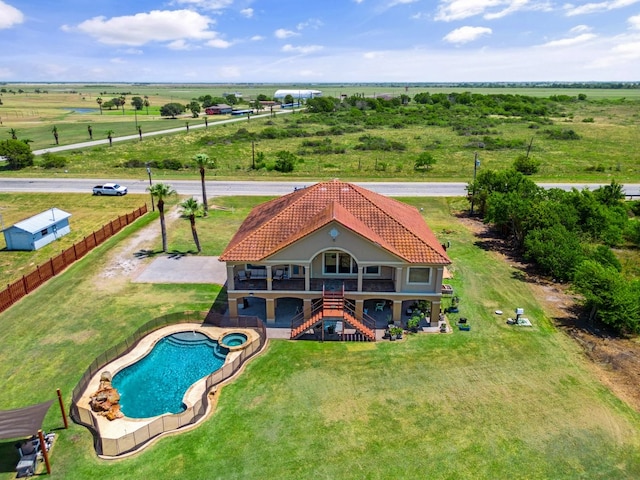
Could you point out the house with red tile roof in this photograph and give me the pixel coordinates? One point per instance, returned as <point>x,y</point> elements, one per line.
<point>345,256</point>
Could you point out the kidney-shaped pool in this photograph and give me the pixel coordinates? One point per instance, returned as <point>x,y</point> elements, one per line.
<point>156,384</point>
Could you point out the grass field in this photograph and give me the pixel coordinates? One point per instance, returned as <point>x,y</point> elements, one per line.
<point>89,214</point>
<point>607,124</point>
<point>492,403</point>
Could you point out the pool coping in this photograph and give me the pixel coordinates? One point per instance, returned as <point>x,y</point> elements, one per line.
<point>115,429</point>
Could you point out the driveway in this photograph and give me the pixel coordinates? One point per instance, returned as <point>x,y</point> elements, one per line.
<point>183,269</point>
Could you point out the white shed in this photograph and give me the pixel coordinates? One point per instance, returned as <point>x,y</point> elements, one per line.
<point>37,231</point>
<point>298,94</point>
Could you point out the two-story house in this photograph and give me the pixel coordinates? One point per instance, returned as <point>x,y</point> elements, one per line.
<point>342,252</point>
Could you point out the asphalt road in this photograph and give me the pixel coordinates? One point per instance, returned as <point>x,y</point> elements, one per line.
<point>105,141</point>
<point>217,188</point>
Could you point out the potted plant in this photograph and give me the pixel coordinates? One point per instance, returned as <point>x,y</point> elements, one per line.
<point>396,332</point>
<point>413,323</point>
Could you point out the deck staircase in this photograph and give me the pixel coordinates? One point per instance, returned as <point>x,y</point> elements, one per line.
<point>334,308</point>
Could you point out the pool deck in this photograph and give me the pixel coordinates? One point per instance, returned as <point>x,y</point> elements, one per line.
<point>114,429</point>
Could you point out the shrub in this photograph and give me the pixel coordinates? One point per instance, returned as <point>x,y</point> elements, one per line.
<point>561,134</point>
<point>49,160</point>
<point>424,162</point>
<point>526,165</point>
<point>285,161</point>
<point>17,153</point>
<point>171,164</point>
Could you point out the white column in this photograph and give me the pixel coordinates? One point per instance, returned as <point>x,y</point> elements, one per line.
<point>398,285</point>
<point>269,279</point>
<point>231,278</point>
<point>360,272</point>
<point>307,277</point>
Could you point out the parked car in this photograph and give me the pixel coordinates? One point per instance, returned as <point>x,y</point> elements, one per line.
<point>109,189</point>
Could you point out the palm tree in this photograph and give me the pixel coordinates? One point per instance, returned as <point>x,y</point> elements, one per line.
<point>202,161</point>
<point>123,101</point>
<point>99,102</point>
<point>110,137</point>
<point>54,130</point>
<point>14,133</point>
<point>190,208</point>
<point>161,191</point>
<point>146,103</point>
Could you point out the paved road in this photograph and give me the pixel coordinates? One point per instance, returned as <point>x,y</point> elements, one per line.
<point>95,143</point>
<point>217,188</point>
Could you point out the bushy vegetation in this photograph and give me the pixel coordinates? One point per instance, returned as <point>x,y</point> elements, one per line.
<point>568,236</point>
<point>50,160</point>
<point>17,153</point>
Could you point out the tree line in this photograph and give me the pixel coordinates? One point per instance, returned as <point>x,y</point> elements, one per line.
<point>569,236</point>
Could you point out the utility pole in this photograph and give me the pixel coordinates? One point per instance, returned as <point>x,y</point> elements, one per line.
<point>476,164</point>
<point>153,207</point>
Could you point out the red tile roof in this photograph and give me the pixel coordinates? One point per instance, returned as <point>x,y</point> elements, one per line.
<point>395,226</point>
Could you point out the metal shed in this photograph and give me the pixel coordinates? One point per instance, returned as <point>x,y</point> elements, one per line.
<point>37,231</point>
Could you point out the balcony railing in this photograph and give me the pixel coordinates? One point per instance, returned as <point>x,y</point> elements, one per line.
<point>297,284</point>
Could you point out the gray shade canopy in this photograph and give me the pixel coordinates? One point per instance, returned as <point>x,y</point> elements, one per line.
<point>23,422</point>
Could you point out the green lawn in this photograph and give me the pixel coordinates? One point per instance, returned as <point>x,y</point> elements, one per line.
<point>497,402</point>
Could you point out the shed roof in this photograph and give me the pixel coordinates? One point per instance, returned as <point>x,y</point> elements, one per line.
<point>395,226</point>
<point>42,220</point>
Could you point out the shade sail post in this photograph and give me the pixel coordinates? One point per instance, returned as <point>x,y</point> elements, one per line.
<point>64,414</point>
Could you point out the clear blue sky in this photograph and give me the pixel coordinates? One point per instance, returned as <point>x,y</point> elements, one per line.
<point>306,41</point>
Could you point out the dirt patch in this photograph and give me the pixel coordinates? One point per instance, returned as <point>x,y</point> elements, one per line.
<point>130,257</point>
<point>615,360</point>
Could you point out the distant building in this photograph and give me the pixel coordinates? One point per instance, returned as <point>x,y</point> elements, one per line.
<point>298,94</point>
<point>220,109</point>
<point>37,231</point>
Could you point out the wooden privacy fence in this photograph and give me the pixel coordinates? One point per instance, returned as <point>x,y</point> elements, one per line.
<point>18,289</point>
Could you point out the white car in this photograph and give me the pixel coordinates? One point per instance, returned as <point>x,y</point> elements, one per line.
<point>109,189</point>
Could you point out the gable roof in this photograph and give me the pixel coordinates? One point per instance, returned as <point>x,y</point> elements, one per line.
<point>395,226</point>
<point>42,220</point>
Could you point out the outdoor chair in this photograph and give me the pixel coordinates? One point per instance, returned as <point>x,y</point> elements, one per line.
<point>279,275</point>
<point>242,275</point>
<point>380,307</point>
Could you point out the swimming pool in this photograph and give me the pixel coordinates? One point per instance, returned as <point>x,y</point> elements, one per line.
<point>157,383</point>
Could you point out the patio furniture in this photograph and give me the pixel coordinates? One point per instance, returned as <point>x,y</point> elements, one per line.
<point>380,307</point>
<point>242,276</point>
<point>27,465</point>
<point>279,275</point>
<point>28,451</point>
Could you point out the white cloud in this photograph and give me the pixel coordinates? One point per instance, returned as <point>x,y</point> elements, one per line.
<point>247,12</point>
<point>257,38</point>
<point>565,42</point>
<point>450,10</point>
<point>580,29</point>
<point>179,45</point>
<point>509,9</point>
<point>572,10</point>
<point>142,28</point>
<point>117,61</point>
<point>466,34</point>
<point>213,5</point>
<point>9,16</point>
<point>373,55</point>
<point>132,51</point>
<point>218,43</point>
<point>311,23</point>
<point>394,3</point>
<point>282,33</point>
<point>635,22</point>
<point>303,49</point>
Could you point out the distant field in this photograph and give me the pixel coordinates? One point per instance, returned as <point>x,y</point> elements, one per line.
<point>607,124</point>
